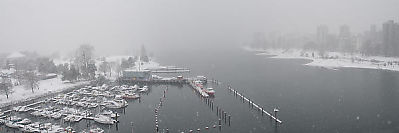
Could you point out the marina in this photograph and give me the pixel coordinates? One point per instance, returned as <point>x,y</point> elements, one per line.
<point>95,103</point>
<point>105,107</point>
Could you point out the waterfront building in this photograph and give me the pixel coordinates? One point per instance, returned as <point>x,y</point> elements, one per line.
<point>322,36</point>
<point>345,39</point>
<point>390,33</point>
<point>142,75</point>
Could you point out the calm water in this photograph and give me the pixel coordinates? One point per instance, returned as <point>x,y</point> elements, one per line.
<point>310,99</point>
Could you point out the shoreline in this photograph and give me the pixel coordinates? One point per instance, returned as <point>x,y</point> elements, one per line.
<point>333,61</point>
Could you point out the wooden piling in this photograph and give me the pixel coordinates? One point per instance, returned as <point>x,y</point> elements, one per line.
<point>217,111</point>
<point>229,119</point>
<point>225,117</point>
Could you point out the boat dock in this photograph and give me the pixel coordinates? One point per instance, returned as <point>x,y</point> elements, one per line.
<point>32,104</point>
<point>170,71</point>
<point>197,89</point>
<point>153,81</point>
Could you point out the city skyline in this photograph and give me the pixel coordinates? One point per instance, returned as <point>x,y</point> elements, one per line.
<point>161,24</point>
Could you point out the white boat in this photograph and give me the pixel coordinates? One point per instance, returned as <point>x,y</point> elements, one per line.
<point>46,113</point>
<point>69,130</point>
<point>46,126</point>
<point>122,102</point>
<point>56,115</point>
<point>81,104</point>
<point>86,113</point>
<point>109,113</point>
<point>24,121</point>
<point>144,89</point>
<point>96,130</point>
<point>92,105</point>
<point>108,94</point>
<point>16,108</point>
<point>15,118</point>
<point>2,121</point>
<point>103,87</point>
<point>36,113</point>
<point>130,96</point>
<point>210,91</point>
<point>24,109</point>
<point>202,79</point>
<point>118,96</point>
<point>115,104</point>
<point>11,124</point>
<point>104,119</point>
<point>91,99</point>
<point>135,87</point>
<point>73,118</point>
<point>29,129</point>
<point>76,118</point>
<point>55,129</point>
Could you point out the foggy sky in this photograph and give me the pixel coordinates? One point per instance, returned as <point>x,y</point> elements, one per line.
<point>121,26</point>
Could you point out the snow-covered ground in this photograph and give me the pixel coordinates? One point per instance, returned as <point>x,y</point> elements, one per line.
<point>45,87</point>
<point>332,60</point>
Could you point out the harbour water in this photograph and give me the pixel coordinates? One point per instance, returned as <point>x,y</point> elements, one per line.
<point>310,99</point>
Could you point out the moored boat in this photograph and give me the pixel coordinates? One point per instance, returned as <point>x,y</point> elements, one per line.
<point>144,89</point>
<point>130,96</point>
<point>24,121</point>
<point>96,130</point>
<point>104,119</point>
<point>210,91</point>
<point>11,124</point>
<point>109,113</point>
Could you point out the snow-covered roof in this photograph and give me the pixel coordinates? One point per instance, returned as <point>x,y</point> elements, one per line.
<point>15,55</point>
<point>6,71</point>
<point>135,70</point>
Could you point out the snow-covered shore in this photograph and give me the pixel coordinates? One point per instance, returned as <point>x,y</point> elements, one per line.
<point>46,87</point>
<point>332,60</point>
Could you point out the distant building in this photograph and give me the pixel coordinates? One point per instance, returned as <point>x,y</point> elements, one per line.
<point>345,39</point>
<point>143,54</point>
<point>372,42</point>
<point>136,75</point>
<point>322,36</point>
<point>259,40</point>
<point>390,41</point>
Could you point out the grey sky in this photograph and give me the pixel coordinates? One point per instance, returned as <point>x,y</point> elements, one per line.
<point>121,26</point>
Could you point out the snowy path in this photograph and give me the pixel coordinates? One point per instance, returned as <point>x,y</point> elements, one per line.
<point>46,87</point>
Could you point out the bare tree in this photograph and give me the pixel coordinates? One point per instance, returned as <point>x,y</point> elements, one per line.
<point>116,67</point>
<point>84,60</point>
<point>105,67</point>
<point>31,80</point>
<point>6,86</point>
<point>70,74</point>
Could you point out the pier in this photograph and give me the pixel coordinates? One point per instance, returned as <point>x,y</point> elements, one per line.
<point>197,89</point>
<point>153,81</point>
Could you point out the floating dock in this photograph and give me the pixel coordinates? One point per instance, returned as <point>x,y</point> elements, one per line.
<point>153,81</point>
<point>197,89</point>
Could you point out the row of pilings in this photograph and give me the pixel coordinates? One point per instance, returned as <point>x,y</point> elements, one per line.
<point>253,105</point>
